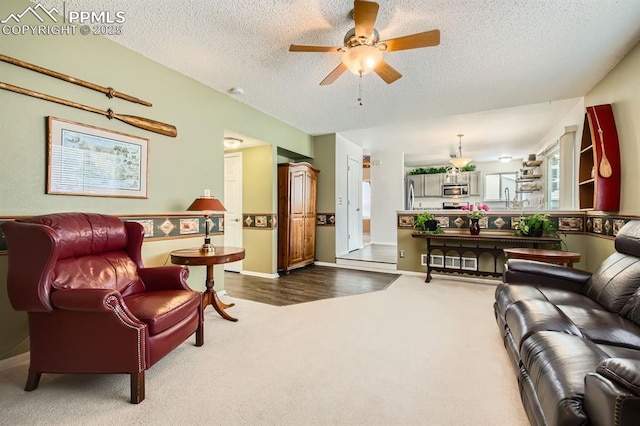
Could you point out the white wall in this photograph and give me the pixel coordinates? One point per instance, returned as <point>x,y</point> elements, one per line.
<point>345,149</point>
<point>387,189</point>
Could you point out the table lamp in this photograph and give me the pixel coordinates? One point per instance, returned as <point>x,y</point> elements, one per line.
<point>207,205</point>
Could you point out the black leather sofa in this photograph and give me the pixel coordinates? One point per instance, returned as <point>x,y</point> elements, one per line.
<point>574,337</point>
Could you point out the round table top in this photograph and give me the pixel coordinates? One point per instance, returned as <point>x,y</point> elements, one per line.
<point>534,254</point>
<point>195,256</point>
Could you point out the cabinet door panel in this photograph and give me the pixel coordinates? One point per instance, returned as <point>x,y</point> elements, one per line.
<point>296,240</point>
<point>297,203</point>
<point>433,185</point>
<point>309,246</point>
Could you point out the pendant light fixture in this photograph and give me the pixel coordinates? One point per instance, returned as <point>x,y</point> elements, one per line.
<point>459,161</point>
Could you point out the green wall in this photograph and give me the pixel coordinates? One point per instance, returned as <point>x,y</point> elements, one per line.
<point>179,168</point>
<point>259,195</point>
<point>325,160</point>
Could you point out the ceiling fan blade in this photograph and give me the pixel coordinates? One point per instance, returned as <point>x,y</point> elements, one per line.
<point>364,14</point>
<point>299,48</point>
<point>413,41</point>
<point>387,72</point>
<point>333,75</point>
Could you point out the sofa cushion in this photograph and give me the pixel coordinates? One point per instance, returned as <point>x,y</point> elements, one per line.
<point>113,270</point>
<point>604,327</point>
<point>526,317</point>
<point>162,309</point>
<point>619,351</point>
<point>506,294</point>
<point>615,281</point>
<point>557,364</point>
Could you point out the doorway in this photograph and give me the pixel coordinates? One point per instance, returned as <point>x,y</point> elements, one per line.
<point>233,204</point>
<point>354,201</point>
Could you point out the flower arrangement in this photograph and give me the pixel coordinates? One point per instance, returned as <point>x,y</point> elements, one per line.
<point>476,211</point>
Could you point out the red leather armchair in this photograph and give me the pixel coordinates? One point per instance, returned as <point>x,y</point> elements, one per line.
<point>92,306</point>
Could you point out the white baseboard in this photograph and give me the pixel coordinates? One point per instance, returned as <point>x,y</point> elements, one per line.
<point>413,273</point>
<point>383,244</point>
<point>260,274</point>
<point>14,361</point>
<point>359,266</point>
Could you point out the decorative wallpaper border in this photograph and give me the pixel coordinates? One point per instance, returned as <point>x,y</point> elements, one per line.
<point>259,221</point>
<point>158,227</point>
<point>601,224</point>
<point>325,219</point>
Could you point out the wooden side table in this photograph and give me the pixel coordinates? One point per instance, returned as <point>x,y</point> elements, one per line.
<point>220,256</point>
<point>541,255</point>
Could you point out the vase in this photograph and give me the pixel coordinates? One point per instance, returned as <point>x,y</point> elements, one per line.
<point>474,226</point>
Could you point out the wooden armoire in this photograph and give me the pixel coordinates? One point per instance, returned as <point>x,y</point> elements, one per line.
<point>297,189</point>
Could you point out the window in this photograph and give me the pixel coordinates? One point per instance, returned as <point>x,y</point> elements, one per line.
<point>498,185</point>
<point>553,180</point>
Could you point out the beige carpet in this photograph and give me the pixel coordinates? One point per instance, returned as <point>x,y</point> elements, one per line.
<point>414,354</point>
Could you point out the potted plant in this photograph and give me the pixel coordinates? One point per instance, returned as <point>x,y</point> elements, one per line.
<point>535,225</point>
<point>425,221</point>
<point>475,212</point>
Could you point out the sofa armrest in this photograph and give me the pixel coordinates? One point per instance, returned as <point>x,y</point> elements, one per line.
<point>83,300</point>
<point>612,393</point>
<point>173,277</point>
<point>624,371</point>
<point>519,271</point>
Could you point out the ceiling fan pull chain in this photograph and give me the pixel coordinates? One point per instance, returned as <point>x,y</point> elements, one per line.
<point>360,90</point>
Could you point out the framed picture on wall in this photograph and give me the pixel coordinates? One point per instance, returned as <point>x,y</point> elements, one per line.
<point>88,160</point>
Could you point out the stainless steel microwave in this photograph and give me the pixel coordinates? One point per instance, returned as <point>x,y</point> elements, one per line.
<point>455,190</point>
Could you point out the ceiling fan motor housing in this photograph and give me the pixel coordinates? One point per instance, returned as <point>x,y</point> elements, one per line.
<point>350,39</point>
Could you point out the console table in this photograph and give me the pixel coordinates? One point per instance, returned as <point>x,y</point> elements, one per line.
<point>487,243</point>
<point>221,255</point>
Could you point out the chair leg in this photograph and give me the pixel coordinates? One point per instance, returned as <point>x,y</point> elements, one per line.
<point>32,381</point>
<point>137,387</point>
<point>200,335</point>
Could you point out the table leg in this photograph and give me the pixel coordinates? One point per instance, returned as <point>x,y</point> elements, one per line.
<point>210,297</point>
<point>428,279</point>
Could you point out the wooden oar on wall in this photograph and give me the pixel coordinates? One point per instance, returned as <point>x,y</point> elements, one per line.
<point>140,122</point>
<point>109,91</point>
<point>604,169</point>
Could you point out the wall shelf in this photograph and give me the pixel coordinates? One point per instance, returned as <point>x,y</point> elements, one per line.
<point>597,192</point>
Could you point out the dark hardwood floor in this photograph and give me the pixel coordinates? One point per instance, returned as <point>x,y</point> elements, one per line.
<point>306,285</point>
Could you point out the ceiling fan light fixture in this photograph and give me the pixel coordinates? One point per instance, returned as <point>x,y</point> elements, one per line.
<point>459,161</point>
<point>361,59</point>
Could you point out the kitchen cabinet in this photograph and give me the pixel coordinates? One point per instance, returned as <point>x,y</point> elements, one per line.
<point>417,181</point>
<point>474,180</point>
<point>297,194</point>
<point>433,185</point>
<point>430,185</point>
<point>471,178</point>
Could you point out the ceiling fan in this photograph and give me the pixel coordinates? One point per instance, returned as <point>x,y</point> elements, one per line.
<point>362,50</point>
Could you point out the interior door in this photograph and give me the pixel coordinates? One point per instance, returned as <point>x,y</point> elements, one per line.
<point>233,204</point>
<point>354,202</point>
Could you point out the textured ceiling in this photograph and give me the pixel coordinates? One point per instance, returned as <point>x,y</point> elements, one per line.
<point>494,54</point>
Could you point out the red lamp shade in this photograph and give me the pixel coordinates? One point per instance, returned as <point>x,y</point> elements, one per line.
<point>207,205</point>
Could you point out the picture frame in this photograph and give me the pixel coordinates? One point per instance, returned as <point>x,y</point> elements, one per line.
<point>92,161</point>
